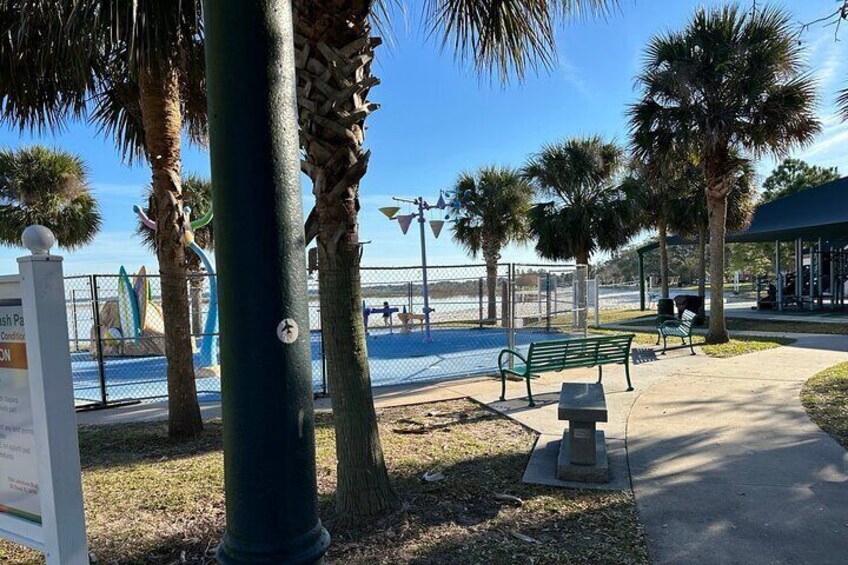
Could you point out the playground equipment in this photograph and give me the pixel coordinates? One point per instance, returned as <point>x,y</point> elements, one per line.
<point>407,319</point>
<point>208,343</point>
<point>132,323</point>
<point>385,310</point>
<point>456,206</point>
<point>819,279</point>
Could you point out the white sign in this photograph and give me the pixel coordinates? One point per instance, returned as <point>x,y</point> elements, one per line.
<point>40,478</point>
<point>19,476</point>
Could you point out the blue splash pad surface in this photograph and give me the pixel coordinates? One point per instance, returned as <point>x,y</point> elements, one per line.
<point>394,358</point>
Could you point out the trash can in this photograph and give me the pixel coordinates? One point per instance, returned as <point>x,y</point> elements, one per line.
<point>665,307</point>
<point>693,303</point>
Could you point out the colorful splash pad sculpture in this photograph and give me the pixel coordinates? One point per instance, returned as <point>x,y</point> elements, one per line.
<point>208,356</point>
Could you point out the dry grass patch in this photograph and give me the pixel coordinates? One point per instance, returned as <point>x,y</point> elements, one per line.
<point>149,500</point>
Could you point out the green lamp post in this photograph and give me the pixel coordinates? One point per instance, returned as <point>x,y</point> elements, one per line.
<point>266,369</point>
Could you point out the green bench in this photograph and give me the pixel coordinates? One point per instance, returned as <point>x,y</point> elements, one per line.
<point>562,354</point>
<point>681,328</point>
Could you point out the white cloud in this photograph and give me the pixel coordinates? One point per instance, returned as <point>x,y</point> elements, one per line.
<point>573,76</point>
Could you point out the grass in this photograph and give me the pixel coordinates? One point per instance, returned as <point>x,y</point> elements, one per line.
<point>784,326</point>
<point>149,500</point>
<point>777,326</point>
<point>825,397</point>
<point>743,345</point>
<point>736,346</point>
<point>621,316</point>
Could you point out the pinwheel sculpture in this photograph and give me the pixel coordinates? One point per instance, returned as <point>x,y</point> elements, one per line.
<point>455,205</point>
<point>208,354</point>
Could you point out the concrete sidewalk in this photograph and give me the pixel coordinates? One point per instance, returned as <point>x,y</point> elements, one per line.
<point>726,466</point>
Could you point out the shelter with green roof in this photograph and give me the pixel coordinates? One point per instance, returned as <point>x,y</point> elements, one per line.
<point>815,222</point>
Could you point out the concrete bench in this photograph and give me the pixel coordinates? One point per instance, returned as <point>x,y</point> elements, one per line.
<point>583,452</point>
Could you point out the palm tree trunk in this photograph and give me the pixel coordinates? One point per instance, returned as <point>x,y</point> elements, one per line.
<point>162,120</point>
<point>334,54</point>
<point>663,239</point>
<point>717,212</point>
<point>491,255</point>
<point>363,485</point>
<point>702,263</point>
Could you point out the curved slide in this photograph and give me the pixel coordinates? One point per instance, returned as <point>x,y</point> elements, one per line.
<point>128,307</point>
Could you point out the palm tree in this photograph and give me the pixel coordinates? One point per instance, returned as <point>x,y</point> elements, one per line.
<point>584,209</point>
<point>135,69</point>
<point>48,187</point>
<point>197,195</point>
<point>334,55</point>
<point>498,201</point>
<point>731,82</point>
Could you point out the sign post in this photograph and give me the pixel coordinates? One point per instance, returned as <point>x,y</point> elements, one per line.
<point>40,487</point>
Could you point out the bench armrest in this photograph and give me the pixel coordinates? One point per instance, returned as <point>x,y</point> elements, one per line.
<point>510,352</point>
<point>670,324</point>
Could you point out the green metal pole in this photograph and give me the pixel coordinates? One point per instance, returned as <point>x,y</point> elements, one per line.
<point>266,369</point>
<point>641,271</point>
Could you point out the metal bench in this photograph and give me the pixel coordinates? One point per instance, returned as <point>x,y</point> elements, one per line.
<point>558,355</point>
<point>681,328</point>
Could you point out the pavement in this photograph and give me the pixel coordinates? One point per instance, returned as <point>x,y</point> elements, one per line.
<point>724,464</point>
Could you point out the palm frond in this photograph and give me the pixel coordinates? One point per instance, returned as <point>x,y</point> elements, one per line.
<point>585,207</point>
<point>498,199</point>
<point>507,38</point>
<point>731,81</point>
<point>48,187</point>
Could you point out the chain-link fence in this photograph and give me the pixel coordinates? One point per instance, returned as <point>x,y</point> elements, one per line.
<point>117,337</point>
<point>452,327</point>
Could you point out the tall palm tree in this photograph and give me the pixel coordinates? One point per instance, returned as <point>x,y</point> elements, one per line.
<point>48,187</point>
<point>498,201</point>
<point>731,81</point>
<point>197,195</point>
<point>584,207</point>
<point>335,51</point>
<point>136,69</point>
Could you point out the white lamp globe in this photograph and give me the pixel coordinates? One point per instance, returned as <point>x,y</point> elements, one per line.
<point>38,239</point>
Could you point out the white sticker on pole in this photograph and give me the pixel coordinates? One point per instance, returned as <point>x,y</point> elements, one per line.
<point>287,331</point>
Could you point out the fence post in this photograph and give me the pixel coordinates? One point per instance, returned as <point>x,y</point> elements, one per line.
<point>324,389</point>
<point>74,317</point>
<point>548,301</point>
<point>480,300</point>
<point>510,312</point>
<point>101,369</point>
<point>597,303</point>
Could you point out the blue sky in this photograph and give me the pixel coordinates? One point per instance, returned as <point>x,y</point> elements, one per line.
<point>437,119</point>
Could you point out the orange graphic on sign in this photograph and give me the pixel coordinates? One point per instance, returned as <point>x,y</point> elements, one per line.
<point>13,355</point>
